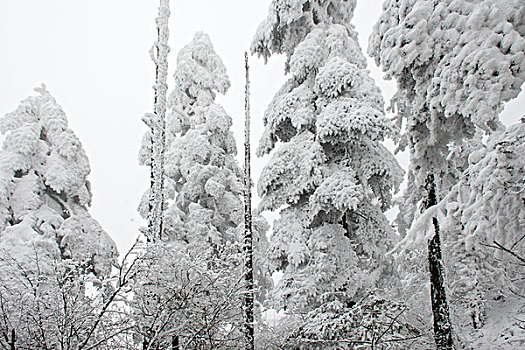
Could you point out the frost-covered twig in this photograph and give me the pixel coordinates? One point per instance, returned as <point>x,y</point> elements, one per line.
<point>123,280</point>
<point>506,250</point>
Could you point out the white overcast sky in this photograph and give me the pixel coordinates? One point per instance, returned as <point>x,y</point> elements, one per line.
<point>94,58</point>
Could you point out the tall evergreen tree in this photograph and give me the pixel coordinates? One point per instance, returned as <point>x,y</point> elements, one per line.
<point>455,63</point>
<point>330,178</point>
<point>202,173</point>
<point>45,191</point>
<point>50,246</point>
<point>203,221</point>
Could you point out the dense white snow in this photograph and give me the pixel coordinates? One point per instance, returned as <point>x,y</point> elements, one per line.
<point>45,191</point>
<point>329,175</point>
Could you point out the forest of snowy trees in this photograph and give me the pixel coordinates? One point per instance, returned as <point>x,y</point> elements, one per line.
<point>344,248</point>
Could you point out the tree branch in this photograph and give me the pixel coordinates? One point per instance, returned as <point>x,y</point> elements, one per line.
<point>506,250</point>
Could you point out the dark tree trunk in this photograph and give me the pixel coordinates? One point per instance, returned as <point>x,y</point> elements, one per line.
<point>440,310</point>
<point>12,342</point>
<point>248,242</point>
<point>175,343</point>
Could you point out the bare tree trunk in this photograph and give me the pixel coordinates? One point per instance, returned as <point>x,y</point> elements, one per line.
<point>159,55</point>
<point>248,243</point>
<point>175,342</point>
<point>440,310</point>
<point>12,342</point>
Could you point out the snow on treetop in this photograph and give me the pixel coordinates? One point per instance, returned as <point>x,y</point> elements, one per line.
<point>330,92</point>
<point>199,74</point>
<point>37,136</point>
<point>45,192</point>
<point>324,43</point>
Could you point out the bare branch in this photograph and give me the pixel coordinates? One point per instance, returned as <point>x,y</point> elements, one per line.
<point>506,250</point>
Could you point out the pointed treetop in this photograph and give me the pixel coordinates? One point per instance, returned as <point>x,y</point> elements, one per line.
<point>38,136</point>
<point>44,191</point>
<point>200,73</point>
<point>289,21</point>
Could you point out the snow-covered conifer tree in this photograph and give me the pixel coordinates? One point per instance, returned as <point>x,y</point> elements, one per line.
<point>45,191</point>
<point>455,63</point>
<point>48,239</point>
<point>484,219</point>
<point>202,174</point>
<point>203,188</point>
<point>330,177</point>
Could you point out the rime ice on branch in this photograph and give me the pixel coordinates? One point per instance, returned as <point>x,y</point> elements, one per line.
<point>157,123</point>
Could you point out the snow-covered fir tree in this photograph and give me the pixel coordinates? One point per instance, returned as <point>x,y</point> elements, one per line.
<point>456,62</point>
<point>203,187</point>
<point>50,246</point>
<point>203,173</point>
<point>329,177</point>
<point>204,177</point>
<point>484,219</point>
<point>45,191</point>
<point>482,216</point>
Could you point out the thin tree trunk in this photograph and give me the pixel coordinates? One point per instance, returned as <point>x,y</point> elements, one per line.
<point>248,242</point>
<point>159,55</point>
<point>175,342</point>
<point>12,343</point>
<point>440,310</point>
